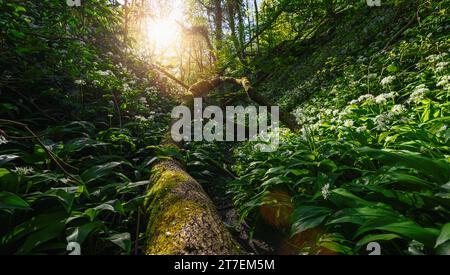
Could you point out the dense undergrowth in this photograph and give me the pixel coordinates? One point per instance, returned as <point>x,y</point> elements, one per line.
<point>82,118</point>
<point>77,125</point>
<point>371,162</point>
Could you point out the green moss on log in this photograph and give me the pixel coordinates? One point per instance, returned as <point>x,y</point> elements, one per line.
<point>182,218</point>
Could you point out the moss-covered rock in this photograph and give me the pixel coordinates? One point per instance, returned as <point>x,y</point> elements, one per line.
<point>182,220</point>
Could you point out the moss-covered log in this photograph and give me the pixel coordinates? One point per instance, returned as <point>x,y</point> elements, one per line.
<point>182,218</point>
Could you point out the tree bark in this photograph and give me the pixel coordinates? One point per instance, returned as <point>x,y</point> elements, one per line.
<point>255,3</point>
<point>218,18</point>
<point>231,8</point>
<point>182,218</point>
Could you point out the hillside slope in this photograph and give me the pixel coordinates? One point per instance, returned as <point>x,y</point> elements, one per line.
<point>371,162</point>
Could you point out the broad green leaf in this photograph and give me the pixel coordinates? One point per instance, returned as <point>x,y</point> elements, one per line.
<point>306,217</point>
<point>80,233</point>
<point>408,229</point>
<point>376,237</point>
<point>52,231</point>
<point>12,201</point>
<point>99,171</point>
<point>34,224</point>
<point>440,168</point>
<point>123,240</point>
<point>363,215</point>
<point>444,236</point>
<point>343,198</point>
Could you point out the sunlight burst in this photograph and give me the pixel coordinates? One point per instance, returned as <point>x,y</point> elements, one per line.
<point>162,32</point>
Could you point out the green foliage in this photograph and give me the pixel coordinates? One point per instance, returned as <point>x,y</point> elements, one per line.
<point>371,162</point>
<point>78,118</point>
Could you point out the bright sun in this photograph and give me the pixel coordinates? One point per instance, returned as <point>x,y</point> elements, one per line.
<point>162,32</point>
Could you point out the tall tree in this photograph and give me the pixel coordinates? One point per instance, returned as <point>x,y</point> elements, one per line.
<point>218,20</point>
<point>255,3</point>
<point>231,11</point>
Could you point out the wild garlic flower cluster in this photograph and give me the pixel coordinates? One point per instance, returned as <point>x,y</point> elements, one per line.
<point>388,80</point>
<point>308,115</point>
<point>105,73</point>
<point>370,99</point>
<point>436,57</point>
<point>23,171</point>
<point>440,67</point>
<point>126,87</point>
<point>398,109</point>
<point>80,82</point>
<point>383,98</point>
<point>384,120</point>
<point>141,118</point>
<point>418,94</point>
<point>326,191</point>
<point>443,81</point>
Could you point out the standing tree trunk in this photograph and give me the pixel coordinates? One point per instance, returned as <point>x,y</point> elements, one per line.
<point>241,27</point>
<point>255,2</point>
<point>231,9</point>
<point>218,18</point>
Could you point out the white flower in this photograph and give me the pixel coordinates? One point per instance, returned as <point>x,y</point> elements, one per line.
<point>348,123</point>
<point>3,140</point>
<point>435,58</point>
<point>105,73</point>
<point>381,99</point>
<point>22,171</point>
<point>387,80</point>
<point>398,109</point>
<point>126,87</point>
<point>326,191</point>
<point>441,66</point>
<point>328,112</point>
<point>382,120</point>
<point>443,81</point>
<point>80,82</point>
<point>141,118</point>
<point>366,98</point>
<point>389,138</point>
<point>361,129</point>
<point>143,100</point>
<point>418,94</point>
<point>442,129</point>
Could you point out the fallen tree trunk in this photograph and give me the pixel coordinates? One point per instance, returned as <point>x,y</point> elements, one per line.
<point>182,218</point>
